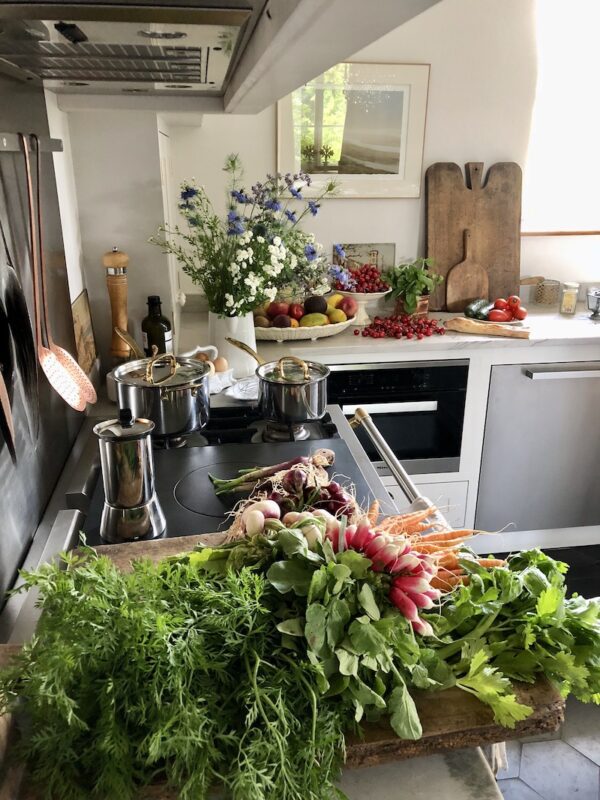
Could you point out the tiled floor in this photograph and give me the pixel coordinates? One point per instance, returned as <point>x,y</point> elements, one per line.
<point>560,766</point>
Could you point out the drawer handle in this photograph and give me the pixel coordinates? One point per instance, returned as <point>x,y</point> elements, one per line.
<point>559,374</point>
<point>392,408</point>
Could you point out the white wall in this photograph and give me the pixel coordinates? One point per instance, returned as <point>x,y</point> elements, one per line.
<point>117,173</point>
<point>481,94</point>
<point>58,123</point>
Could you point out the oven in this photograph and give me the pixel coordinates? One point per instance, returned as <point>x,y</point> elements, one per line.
<point>419,408</point>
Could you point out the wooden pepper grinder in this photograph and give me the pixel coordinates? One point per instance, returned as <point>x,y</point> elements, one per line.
<point>116,262</point>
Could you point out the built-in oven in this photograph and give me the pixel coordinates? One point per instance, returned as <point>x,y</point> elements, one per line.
<point>419,407</point>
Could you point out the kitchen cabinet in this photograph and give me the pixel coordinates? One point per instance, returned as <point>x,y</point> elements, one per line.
<point>449,496</point>
<point>539,466</point>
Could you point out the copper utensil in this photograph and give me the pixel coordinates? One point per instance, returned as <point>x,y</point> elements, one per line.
<point>66,360</point>
<point>58,376</point>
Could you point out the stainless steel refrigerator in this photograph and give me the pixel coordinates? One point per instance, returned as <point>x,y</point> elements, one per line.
<point>44,426</point>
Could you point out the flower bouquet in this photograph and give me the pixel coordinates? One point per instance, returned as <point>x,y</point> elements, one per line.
<point>245,258</point>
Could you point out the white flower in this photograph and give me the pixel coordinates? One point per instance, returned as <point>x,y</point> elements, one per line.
<point>271,293</point>
<point>260,239</point>
<point>229,302</point>
<point>277,241</point>
<point>293,261</point>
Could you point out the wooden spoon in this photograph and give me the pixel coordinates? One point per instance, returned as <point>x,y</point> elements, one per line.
<point>68,363</point>
<point>58,376</point>
<point>466,281</point>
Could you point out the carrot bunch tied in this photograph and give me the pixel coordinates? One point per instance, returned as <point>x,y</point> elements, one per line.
<point>441,544</point>
<point>411,571</point>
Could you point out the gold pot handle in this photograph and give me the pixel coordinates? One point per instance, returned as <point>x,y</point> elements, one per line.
<point>168,357</point>
<point>296,360</point>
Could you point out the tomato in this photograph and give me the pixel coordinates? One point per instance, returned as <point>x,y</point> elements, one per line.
<point>498,315</point>
<point>520,313</point>
<point>514,301</point>
<point>501,304</point>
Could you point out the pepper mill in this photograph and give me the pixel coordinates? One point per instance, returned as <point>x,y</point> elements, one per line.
<point>131,508</point>
<point>115,263</point>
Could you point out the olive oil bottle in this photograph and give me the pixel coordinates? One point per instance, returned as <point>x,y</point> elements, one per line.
<point>156,328</point>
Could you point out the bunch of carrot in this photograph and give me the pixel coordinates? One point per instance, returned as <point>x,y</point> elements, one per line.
<point>441,543</point>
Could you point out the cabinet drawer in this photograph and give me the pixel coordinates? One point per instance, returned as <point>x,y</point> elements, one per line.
<point>450,497</point>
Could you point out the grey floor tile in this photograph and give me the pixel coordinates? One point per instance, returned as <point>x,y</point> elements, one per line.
<point>556,771</point>
<point>582,728</point>
<point>515,789</point>
<point>513,757</point>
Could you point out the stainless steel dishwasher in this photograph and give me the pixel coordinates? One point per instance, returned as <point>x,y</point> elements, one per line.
<point>541,451</point>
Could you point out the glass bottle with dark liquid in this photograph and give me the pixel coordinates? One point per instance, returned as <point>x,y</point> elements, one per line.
<point>156,328</point>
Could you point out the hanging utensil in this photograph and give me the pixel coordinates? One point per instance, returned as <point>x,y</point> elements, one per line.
<point>247,349</point>
<point>58,376</point>
<point>68,363</point>
<point>19,322</point>
<point>134,348</point>
<point>6,368</point>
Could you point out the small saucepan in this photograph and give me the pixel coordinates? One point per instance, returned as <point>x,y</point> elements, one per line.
<point>290,391</point>
<point>171,391</point>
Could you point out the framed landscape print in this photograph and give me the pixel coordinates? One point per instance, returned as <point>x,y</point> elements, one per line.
<point>84,334</point>
<point>362,125</point>
<point>382,255</point>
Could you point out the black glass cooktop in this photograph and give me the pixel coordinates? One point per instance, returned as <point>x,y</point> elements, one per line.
<point>187,495</point>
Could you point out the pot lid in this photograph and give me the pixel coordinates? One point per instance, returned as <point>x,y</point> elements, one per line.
<point>167,372</point>
<point>123,429</point>
<point>292,370</point>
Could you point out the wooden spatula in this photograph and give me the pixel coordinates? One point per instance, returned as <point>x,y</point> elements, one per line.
<point>466,281</point>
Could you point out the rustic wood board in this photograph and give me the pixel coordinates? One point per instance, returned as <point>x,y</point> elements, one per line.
<point>466,281</point>
<point>490,210</point>
<point>465,722</point>
<point>466,325</point>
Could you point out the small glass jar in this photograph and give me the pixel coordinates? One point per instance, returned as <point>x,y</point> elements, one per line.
<point>568,297</point>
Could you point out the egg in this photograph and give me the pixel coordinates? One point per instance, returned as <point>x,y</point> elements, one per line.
<point>221,364</point>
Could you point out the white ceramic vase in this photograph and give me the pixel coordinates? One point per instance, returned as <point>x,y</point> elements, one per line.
<point>240,328</point>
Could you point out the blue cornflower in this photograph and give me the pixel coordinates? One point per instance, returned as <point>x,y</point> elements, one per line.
<point>240,196</point>
<point>290,215</point>
<point>295,193</point>
<point>235,229</point>
<point>339,251</point>
<point>313,207</point>
<point>342,276</point>
<point>186,206</point>
<point>233,216</point>
<point>188,192</point>
<point>272,205</point>
<point>310,252</point>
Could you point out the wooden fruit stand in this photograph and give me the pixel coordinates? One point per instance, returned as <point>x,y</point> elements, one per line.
<point>465,722</point>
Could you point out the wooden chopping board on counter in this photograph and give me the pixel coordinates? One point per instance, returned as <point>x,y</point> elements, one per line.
<point>466,722</point>
<point>491,210</point>
<point>466,281</point>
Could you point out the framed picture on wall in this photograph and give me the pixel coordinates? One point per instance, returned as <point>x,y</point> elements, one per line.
<point>84,333</point>
<point>382,255</point>
<point>362,125</point>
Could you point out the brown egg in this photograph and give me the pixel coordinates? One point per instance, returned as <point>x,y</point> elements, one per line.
<point>201,357</point>
<point>221,364</point>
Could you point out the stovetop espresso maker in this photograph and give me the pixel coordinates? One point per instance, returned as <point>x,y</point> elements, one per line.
<point>131,508</point>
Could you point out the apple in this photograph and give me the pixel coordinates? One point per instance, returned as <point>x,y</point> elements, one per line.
<point>349,306</point>
<point>296,311</point>
<point>277,309</point>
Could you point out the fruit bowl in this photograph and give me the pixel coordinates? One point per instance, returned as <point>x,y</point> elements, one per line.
<point>362,298</point>
<point>302,334</point>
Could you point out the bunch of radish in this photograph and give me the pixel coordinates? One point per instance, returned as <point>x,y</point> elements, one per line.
<point>411,572</point>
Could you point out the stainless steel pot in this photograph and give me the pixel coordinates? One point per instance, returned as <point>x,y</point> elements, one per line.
<point>292,391</point>
<point>171,391</point>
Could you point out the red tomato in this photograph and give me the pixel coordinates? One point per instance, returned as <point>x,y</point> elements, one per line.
<point>520,313</point>
<point>514,301</point>
<point>498,315</point>
<point>501,304</point>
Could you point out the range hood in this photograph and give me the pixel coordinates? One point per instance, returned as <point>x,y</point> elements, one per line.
<point>166,48</point>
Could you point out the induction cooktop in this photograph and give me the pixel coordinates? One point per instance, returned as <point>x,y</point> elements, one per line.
<point>187,496</point>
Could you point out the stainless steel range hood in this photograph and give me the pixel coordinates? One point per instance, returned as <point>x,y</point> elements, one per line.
<point>170,48</point>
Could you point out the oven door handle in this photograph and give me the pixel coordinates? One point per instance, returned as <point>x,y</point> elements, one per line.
<point>392,408</point>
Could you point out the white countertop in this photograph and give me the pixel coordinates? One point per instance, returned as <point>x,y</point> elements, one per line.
<point>547,328</point>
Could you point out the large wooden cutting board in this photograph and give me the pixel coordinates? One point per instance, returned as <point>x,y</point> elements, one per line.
<point>490,210</point>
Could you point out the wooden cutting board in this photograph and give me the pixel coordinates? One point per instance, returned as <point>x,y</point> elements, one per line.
<point>466,325</point>
<point>466,281</point>
<point>490,210</point>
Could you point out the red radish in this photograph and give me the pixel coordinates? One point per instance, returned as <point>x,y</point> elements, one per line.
<point>404,604</point>
<point>421,627</point>
<point>254,522</point>
<point>421,600</point>
<point>408,583</point>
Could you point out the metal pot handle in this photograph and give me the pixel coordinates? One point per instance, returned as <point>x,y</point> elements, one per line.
<point>170,358</point>
<point>296,360</point>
